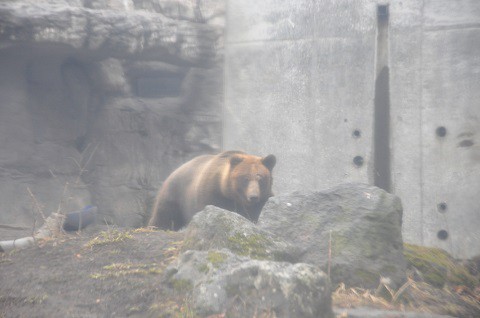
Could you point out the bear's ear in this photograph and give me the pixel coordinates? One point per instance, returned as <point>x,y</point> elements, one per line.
<point>235,161</point>
<point>269,162</point>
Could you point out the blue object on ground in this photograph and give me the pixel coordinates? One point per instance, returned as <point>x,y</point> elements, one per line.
<point>77,220</point>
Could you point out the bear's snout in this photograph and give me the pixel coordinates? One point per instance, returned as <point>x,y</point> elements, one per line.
<point>253,192</point>
<point>253,198</point>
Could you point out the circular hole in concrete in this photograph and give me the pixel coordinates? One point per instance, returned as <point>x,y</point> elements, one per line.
<point>356,133</point>
<point>442,207</point>
<point>442,235</point>
<point>358,161</point>
<point>441,131</point>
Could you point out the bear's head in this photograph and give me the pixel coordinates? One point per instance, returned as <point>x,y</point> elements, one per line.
<point>251,182</point>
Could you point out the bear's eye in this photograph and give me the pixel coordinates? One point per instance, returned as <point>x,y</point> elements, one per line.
<point>244,180</point>
<point>262,181</point>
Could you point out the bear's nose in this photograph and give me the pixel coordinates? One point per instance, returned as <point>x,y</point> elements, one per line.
<point>253,198</point>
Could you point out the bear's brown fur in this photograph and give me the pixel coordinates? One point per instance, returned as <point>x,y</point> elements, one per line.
<point>231,180</point>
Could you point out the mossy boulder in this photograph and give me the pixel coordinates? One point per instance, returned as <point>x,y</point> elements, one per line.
<point>221,282</point>
<point>215,228</point>
<point>358,225</point>
<point>437,267</point>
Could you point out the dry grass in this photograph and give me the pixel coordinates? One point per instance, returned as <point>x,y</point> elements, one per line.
<point>148,229</point>
<point>109,237</point>
<point>123,269</point>
<point>174,309</point>
<point>172,252</point>
<point>412,296</point>
<point>358,297</point>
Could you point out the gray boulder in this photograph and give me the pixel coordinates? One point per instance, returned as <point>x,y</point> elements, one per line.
<point>215,228</point>
<point>364,223</point>
<point>222,282</point>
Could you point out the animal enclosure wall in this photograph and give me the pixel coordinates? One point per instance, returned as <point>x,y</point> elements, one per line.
<point>380,92</point>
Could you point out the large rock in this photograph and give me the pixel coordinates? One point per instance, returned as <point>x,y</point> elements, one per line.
<point>107,32</point>
<point>364,223</point>
<point>211,11</point>
<point>222,282</point>
<point>215,228</point>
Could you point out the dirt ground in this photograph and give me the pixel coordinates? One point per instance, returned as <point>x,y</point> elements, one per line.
<point>108,272</point>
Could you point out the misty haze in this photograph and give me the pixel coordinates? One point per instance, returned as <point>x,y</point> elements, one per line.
<point>221,158</point>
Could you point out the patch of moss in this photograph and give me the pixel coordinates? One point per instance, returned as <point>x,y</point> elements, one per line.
<point>188,244</point>
<point>253,245</point>
<point>346,209</point>
<point>224,222</point>
<point>216,258</point>
<point>388,269</point>
<point>181,285</point>
<point>203,268</point>
<point>311,219</point>
<point>368,278</point>
<point>109,237</point>
<point>339,243</point>
<point>438,267</point>
<point>383,196</point>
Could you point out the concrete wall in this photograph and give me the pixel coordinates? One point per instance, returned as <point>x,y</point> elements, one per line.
<point>300,82</point>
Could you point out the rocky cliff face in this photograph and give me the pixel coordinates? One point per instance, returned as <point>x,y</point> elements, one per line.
<point>101,99</point>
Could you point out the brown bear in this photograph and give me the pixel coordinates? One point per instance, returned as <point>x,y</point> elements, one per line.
<point>232,180</point>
